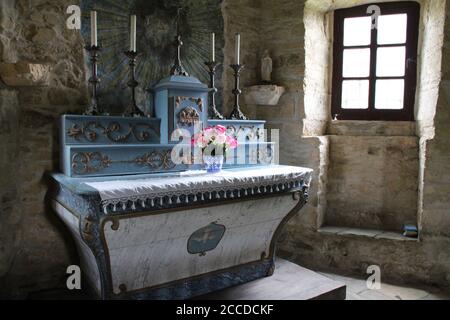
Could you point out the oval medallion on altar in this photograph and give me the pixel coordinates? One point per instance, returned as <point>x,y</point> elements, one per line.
<point>205,239</point>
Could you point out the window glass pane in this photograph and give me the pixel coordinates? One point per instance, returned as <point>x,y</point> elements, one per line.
<point>355,94</point>
<point>392,28</point>
<point>357,31</point>
<point>391,62</point>
<point>356,63</point>
<point>389,94</point>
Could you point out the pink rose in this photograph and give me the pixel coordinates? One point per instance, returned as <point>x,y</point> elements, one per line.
<point>198,141</point>
<point>209,133</point>
<point>220,139</point>
<point>221,129</point>
<point>231,142</point>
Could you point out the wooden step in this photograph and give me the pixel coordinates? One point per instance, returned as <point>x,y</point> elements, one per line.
<point>289,282</point>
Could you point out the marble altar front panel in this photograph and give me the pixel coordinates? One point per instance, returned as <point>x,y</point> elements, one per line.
<point>160,242</point>
<point>178,235</point>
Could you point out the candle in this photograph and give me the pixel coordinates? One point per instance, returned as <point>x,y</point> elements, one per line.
<point>133,33</point>
<point>213,41</point>
<point>94,28</point>
<point>238,48</point>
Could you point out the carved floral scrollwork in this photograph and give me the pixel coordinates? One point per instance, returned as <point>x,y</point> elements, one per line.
<point>89,162</point>
<point>250,132</point>
<point>262,155</point>
<point>114,127</point>
<point>266,155</point>
<point>112,131</point>
<point>85,131</point>
<point>197,101</point>
<point>156,160</point>
<point>188,117</point>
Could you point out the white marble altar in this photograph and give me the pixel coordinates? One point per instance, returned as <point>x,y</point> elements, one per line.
<point>178,235</point>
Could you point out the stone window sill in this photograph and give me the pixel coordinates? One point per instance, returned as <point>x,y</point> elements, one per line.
<point>367,233</point>
<point>371,128</point>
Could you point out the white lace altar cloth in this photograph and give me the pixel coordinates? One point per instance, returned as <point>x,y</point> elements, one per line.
<point>193,186</point>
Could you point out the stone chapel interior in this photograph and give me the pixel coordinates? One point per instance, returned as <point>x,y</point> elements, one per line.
<point>332,180</point>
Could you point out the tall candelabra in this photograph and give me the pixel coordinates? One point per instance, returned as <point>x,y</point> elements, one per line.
<point>214,113</point>
<point>132,110</point>
<point>94,108</point>
<point>237,114</point>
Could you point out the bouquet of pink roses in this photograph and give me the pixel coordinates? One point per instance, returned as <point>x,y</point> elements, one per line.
<point>214,140</point>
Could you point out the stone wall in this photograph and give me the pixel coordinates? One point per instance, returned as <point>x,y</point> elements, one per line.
<point>41,65</point>
<point>372,182</point>
<point>436,199</point>
<point>240,16</point>
<point>348,160</point>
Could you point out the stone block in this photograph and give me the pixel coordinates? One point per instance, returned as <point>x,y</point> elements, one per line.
<point>24,74</point>
<point>263,95</point>
<point>285,110</point>
<point>372,128</point>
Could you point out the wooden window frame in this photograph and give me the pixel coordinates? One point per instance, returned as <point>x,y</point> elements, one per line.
<point>412,9</point>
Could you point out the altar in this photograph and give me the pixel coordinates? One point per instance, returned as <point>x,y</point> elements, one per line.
<point>179,235</point>
<point>176,203</point>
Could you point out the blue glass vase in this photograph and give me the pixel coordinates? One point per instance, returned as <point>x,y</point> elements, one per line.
<point>213,164</point>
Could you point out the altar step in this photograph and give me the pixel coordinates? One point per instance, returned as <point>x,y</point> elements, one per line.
<point>289,282</point>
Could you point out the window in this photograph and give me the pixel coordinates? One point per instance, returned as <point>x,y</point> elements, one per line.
<point>375,68</point>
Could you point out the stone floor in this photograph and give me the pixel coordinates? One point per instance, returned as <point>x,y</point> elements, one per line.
<point>357,290</point>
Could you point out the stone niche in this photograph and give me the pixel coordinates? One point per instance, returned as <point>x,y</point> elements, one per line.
<point>263,95</point>
<point>372,182</point>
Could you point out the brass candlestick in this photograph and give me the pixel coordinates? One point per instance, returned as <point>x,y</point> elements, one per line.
<point>133,110</point>
<point>214,113</point>
<point>237,114</point>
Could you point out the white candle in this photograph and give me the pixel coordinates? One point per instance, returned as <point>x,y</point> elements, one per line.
<point>213,41</point>
<point>94,28</point>
<point>133,33</point>
<point>238,48</point>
